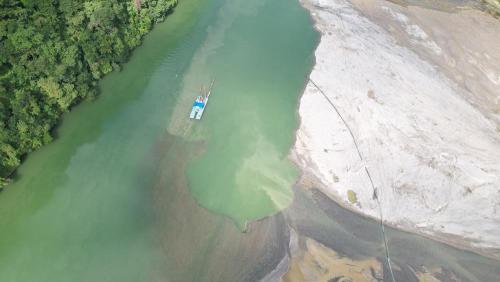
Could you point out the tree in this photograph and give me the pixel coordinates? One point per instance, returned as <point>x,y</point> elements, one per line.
<point>52,53</point>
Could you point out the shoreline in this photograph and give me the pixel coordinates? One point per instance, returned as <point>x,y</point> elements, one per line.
<point>312,166</point>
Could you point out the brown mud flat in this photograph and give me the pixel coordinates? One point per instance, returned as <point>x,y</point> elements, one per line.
<point>442,5</point>
<point>357,239</point>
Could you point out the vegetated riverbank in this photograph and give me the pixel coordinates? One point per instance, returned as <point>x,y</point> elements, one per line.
<point>52,57</point>
<point>400,117</point>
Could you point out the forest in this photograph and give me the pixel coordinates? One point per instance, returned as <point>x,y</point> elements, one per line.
<point>52,54</point>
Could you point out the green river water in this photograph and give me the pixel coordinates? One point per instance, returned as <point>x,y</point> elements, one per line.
<point>102,202</point>
<point>132,190</point>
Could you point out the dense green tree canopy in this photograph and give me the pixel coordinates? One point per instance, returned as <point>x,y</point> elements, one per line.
<point>52,52</point>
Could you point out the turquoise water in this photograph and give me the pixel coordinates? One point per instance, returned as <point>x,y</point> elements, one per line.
<point>260,61</point>
<point>127,170</point>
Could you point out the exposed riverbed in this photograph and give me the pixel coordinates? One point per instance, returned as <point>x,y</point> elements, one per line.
<point>400,118</point>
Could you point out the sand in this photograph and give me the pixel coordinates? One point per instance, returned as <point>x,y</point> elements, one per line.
<point>404,96</point>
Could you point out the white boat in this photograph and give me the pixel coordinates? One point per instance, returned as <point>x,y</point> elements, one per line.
<point>200,104</point>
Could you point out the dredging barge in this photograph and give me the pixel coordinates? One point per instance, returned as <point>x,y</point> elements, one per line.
<point>200,103</point>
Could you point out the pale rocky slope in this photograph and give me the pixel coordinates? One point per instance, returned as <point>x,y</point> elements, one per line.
<point>420,90</point>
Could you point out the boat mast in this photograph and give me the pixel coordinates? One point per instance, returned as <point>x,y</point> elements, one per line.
<point>210,88</point>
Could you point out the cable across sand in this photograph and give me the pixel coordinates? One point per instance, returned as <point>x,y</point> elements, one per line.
<point>427,135</point>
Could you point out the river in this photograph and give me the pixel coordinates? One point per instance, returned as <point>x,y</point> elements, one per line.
<point>131,190</point>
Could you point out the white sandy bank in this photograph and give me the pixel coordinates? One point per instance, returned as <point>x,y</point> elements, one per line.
<point>432,150</point>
